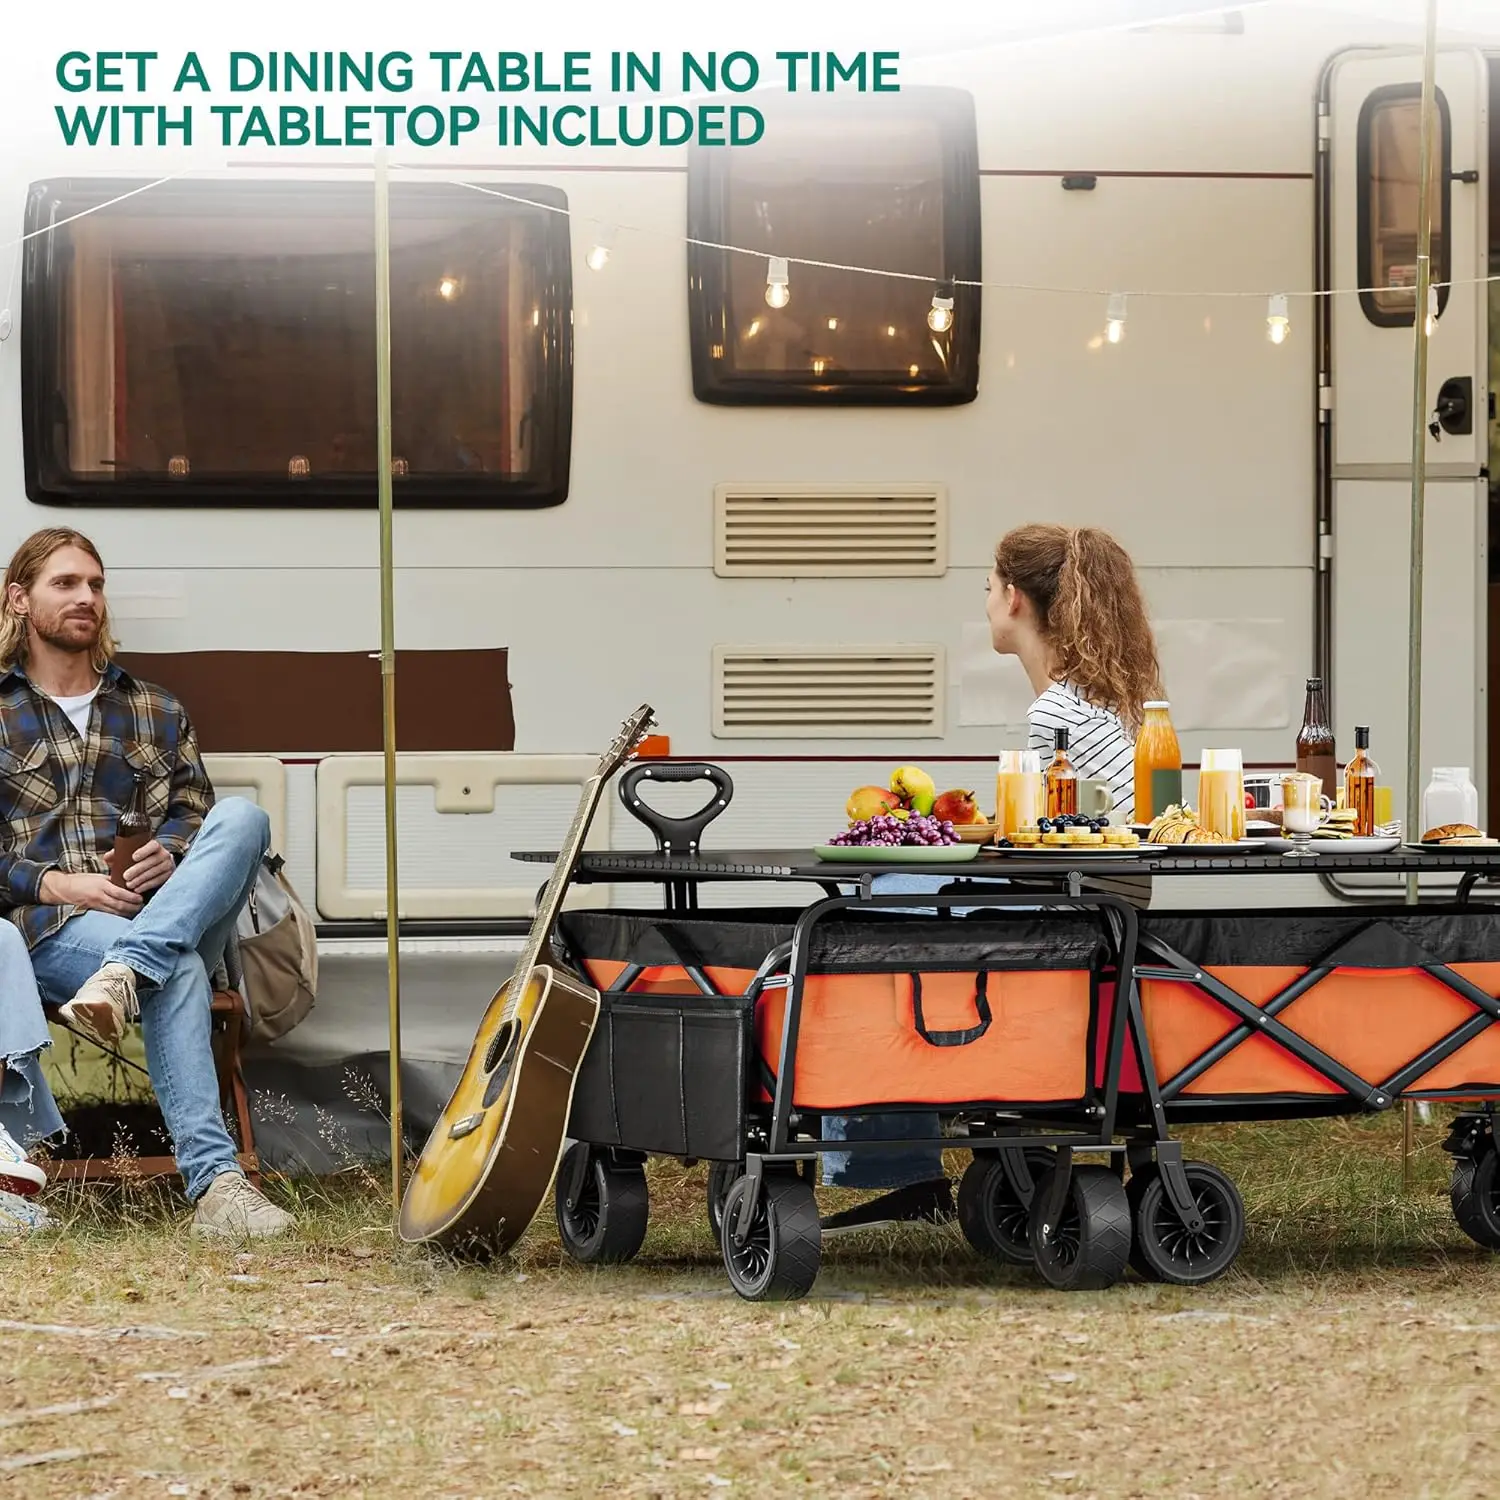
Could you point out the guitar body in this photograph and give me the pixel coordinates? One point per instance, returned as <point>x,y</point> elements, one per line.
<point>494,1151</point>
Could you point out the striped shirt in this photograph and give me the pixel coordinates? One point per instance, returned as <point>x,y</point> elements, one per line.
<point>1097,743</point>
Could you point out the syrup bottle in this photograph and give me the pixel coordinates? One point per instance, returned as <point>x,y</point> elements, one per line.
<point>1061,779</point>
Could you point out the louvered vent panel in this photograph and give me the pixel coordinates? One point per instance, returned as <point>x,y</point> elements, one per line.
<point>828,692</point>
<point>831,531</point>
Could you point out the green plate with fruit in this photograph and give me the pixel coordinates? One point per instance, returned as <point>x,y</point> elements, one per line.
<point>896,854</point>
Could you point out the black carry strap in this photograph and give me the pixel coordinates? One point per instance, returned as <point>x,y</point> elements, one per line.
<point>952,1038</point>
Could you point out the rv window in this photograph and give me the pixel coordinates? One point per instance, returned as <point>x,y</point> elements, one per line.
<point>213,343</point>
<point>893,186</point>
<point>1389,174</point>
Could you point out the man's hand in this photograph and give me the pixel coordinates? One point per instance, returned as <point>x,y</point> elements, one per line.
<point>149,868</point>
<point>94,892</point>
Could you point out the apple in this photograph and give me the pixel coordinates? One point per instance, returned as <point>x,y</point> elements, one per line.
<point>914,787</point>
<point>870,802</point>
<point>957,807</point>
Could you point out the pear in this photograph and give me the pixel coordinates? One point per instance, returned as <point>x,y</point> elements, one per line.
<point>870,802</point>
<point>915,787</point>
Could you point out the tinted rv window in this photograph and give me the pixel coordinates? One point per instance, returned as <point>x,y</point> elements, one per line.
<point>213,343</point>
<point>1389,168</point>
<point>890,183</point>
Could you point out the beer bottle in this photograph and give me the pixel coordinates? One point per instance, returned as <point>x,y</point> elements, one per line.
<point>132,831</point>
<point>1061,778</point>
<point>1315,741</point>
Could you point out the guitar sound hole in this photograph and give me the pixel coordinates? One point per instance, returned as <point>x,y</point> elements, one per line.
<point>497,1061</point>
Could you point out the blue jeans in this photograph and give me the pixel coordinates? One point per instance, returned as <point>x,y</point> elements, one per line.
<point>889,1166</point>
<point>174,943</point>
<point>27,1108</point>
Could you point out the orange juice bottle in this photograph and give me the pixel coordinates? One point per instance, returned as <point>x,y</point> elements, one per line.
<point>1158,764</point>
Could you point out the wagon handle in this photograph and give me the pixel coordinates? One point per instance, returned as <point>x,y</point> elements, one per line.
<point>676,835</point>
<point>952,1038</point>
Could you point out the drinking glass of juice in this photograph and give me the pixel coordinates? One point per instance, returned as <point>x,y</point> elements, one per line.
<point>1020,791</point>
<point>1221,793</point>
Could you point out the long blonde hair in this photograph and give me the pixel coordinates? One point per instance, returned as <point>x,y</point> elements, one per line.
<point>1089,611</point>
<point>26,564</point>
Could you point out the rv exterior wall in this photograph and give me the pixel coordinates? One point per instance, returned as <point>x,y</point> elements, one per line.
<point>1192,440</point>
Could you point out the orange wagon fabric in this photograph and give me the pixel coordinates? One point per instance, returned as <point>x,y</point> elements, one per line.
<point>1378,1010</point>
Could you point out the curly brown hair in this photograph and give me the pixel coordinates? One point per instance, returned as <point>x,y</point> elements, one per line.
<point>1090,612</point>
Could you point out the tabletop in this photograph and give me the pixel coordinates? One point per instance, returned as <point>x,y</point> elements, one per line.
<point>614,865</point>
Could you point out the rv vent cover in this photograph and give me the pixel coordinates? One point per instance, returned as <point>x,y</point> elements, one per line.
<point>831,531</point>
<point>828,692</point>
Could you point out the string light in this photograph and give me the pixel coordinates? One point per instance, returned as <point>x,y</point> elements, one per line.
<point>1278,324</point>
<point>940,318</point>
<point>1432,311</point>
<point>1114,326</point>
<point>598,257</point>
<point>778,288</point>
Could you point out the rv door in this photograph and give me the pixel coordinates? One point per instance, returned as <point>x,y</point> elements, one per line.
<point>1370,126</point>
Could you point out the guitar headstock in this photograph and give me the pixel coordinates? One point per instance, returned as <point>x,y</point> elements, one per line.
<point>624,745</point>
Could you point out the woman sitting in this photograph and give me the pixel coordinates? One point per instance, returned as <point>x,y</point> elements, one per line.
<point>1065,602</point>
<point>28,1112</point>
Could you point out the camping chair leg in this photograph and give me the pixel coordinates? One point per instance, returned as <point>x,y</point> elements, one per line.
<point>235,1097</point>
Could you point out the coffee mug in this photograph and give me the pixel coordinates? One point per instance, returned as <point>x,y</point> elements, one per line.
<point>1095,799</point>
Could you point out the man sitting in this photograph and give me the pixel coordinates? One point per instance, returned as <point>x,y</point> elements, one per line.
<point>75,731</point>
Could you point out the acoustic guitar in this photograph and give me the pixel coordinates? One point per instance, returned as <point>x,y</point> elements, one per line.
<point>494,1151</point>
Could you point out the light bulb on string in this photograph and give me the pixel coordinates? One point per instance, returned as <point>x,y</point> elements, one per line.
<point>598,257</point>
<point>1432,311</point>
<point>778,288</point>
<point>940,316</point>
<point>1278,323</point>
<point>1114,325</point>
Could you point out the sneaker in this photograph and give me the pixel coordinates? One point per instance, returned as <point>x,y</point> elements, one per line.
<point>105,1005</point>
<point>17,1174</point>
<point>918,1202</point>
<point>233,1209</point>
<point>18,1216</point>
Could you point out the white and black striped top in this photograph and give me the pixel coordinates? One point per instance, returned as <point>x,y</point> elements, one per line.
<point>1097,743</point>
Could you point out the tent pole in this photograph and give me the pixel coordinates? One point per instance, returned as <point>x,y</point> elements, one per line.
<point>1413,826</point>
<point>388,645</point>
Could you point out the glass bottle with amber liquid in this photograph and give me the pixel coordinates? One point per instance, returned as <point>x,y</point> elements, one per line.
<point>1061,779</point>
<point>132,831</point>
<point>1315,753</point>
<point>1360,776</point>
<point>1158,763</point>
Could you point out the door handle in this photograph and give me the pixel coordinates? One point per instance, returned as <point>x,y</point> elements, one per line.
<point>1454,411</point>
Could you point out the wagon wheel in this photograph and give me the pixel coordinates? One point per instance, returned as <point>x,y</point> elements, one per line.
<point>721,1177</point>
<point>607,1223</point>
<point>779,1259</point>
<point>990,1212</point>
<point>1476,1197</point>
<point>1089,1246</point>
<point>1164,1249</point>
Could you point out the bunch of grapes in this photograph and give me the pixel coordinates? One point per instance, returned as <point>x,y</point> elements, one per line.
<point>887,832</point>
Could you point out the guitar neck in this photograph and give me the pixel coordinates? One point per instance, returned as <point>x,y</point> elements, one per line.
<point>557,885</point>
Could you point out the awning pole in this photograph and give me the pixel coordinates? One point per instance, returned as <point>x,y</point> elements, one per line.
<point>388,646</point>
<point>1412,828</point>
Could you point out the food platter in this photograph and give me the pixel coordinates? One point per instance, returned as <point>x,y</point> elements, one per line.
<point>1067,851</point>
<point>896,854</point>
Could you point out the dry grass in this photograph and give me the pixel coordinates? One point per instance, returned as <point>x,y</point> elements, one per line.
<point>1353,1347</point>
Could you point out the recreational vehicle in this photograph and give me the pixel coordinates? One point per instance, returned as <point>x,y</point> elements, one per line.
<point>665,428</point>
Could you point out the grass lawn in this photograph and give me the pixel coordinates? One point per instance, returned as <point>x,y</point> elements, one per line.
<point>1354,1348</point>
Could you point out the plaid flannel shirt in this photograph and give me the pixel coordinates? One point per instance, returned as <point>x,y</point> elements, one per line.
<point>61,794</point>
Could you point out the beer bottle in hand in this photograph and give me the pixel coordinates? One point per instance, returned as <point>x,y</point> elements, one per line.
<point>132,831</point>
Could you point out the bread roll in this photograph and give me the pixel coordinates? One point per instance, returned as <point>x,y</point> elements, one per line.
<point>1447,832</point>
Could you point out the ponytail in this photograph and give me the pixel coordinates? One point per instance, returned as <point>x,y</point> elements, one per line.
<point>1090,613</point>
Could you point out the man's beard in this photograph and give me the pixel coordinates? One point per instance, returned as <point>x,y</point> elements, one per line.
<point>63,632</point>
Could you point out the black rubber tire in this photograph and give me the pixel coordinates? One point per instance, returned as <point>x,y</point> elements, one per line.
<point>1475,1191</point>
<point>1089,1247</point>
<point>608,1224</point>
<point>1163,1250</point>
<point>994,1220</point>
<point>721,1177</point>
<point>779,1260</point>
